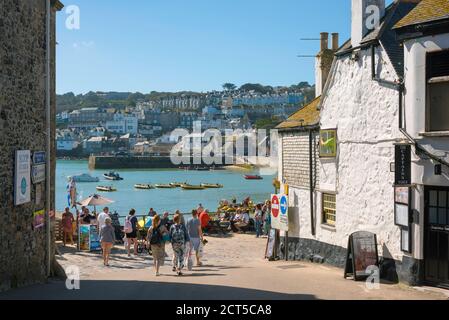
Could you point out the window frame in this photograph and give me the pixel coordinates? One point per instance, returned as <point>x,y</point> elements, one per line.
<point>324,220</point>
<point>429,81</point>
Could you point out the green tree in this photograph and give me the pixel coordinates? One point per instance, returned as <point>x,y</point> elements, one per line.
<point>229,86</point>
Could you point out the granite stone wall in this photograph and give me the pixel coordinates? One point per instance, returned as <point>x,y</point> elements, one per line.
<point>22,127</point>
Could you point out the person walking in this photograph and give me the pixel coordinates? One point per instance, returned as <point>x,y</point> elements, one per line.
<point>102,217</point>
<point>267,217</point>
<point>258,219</point>
<point>67,224</point>
<point>107,239</point>
<point>155,237</point>
<point>195,231</point>
<point>131,231</point>
<point>178,238</point>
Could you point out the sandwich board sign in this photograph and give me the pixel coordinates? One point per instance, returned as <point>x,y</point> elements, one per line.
<point>22,177</point>
<point>279,212</point>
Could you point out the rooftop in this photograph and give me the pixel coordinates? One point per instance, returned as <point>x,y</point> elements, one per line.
<point>306,117</point>
<point>426,11</point>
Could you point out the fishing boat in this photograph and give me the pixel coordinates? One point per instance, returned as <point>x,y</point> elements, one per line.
<point>84,177</point>
<point>253,177</point>
<point>106,189</point>
<point>177,184</point>
<point>192,187</point>
<point>164,186</point>
<point>112,176</point>
<point>143,186</point>
<point>212,186</point>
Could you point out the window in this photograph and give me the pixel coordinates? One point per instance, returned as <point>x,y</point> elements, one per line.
<point>438,91</point>
<point>328,143</point>
<point>329,209</point>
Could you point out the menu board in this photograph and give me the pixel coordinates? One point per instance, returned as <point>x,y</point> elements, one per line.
<point>84,237</point>
<point>270,250</point>
<point>361,254</point>
<point>94,239</point>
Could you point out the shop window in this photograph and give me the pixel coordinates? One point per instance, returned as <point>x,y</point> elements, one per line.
<point>328,143</point>
<point>438,91</point>
<point>329,209</point>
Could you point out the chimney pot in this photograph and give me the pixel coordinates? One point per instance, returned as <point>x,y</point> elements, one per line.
<point>335,41</point>
<point>324,40</point>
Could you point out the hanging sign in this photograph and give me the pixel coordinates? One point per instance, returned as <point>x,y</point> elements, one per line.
<point>403,165</point>
<point>22,180</point>
<point>38,173</point>
<point>361,255</point>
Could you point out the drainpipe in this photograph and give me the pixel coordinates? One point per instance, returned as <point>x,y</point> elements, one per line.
<point>312,218</point>
<point>48,134</point>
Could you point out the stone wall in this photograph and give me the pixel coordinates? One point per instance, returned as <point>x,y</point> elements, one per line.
<point>23,251</point>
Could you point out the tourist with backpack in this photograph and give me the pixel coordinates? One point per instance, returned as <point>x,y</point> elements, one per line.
<point>130,230</point>
<point>155,237</point>
<point>178,238</point>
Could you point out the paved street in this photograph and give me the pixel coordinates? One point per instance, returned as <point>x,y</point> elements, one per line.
<point>234,268</point>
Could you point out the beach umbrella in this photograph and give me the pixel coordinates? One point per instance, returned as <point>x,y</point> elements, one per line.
<point>95,200</point>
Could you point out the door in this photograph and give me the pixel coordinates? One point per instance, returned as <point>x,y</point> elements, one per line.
<point>436,241</point>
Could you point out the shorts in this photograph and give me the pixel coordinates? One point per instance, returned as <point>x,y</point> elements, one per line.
<point>131,235</point>
<point>195,243</point>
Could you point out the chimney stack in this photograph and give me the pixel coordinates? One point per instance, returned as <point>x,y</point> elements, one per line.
<point>365,13</point>
<point>335,41</point>
<point>324,36</point>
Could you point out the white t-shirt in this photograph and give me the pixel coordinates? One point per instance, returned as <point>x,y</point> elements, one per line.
<point>101,219</point>
<point>245,218</point>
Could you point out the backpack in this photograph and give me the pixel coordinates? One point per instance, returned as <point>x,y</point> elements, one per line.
<point>178,234</point>
<point>156,236</point>
<point>128,226</point>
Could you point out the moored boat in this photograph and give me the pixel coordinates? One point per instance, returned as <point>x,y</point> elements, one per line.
<point>192,187</point>
<point>112,176</point>
<point>106,189</point>
<point>84,177</point>
<point>212,185</point>
<point>253,177</point>
<point>164,186</point>
<point>177,184</point>
<point>143,186</point>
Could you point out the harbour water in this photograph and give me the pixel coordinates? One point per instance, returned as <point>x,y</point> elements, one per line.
<point>127,197</point>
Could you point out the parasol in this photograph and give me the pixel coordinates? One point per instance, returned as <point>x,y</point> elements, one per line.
<point>95,200</point>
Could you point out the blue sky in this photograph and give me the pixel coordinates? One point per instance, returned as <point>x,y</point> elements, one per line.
<point>174,45</point>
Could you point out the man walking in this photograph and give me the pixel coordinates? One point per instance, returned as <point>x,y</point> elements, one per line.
<point>195,234</point>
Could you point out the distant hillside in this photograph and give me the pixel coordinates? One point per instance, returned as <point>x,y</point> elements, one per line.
<point>121,100</point>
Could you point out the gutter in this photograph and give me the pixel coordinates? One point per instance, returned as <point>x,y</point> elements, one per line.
<point>312,216</point>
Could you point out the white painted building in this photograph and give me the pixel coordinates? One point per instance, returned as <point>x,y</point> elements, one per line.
<point>361,106</point>
<point>123,123</point>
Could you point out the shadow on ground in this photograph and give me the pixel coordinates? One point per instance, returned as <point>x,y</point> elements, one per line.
<point>138,290</point>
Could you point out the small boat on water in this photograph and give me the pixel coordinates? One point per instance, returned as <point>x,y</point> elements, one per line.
<point>177,184</point>
<point>143,186</point>
<point>212,186</point>
<point>112,176</point>
<point>84,177</point>
<point>192,187</point>
<point>164,186</point>
<point>106,189</point>
<point>253,177</point>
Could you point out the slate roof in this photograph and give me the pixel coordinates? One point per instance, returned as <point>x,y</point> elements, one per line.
<point>386,34</point>
<point>309,114</point>
<point>426,11</point>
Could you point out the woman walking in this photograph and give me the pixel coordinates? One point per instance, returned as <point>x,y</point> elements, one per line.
<point>107,239</point>
<point>67,223</point>
<point>178,237</point>
<point>156,239</point>
<point>131,232</point>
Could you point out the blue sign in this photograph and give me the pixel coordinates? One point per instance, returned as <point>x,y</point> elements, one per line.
<point>284,205</point>
<point>39,157</point>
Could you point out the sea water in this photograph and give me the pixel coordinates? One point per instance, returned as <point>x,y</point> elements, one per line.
<point>127,197</point>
